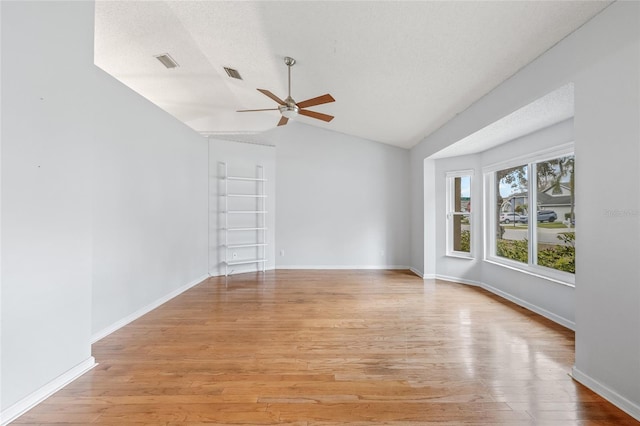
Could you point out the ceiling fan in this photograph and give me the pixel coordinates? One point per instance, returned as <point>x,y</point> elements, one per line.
<point>290,108</point>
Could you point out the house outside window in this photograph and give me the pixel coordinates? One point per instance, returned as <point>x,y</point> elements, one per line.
<point>538,239</point>
<point>459,213</point>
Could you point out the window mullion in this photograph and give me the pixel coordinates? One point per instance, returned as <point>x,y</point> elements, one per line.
<point>533,219</point>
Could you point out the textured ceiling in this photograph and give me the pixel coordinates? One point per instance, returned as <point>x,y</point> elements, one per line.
<point>544,112</point>
<point>398,70</point>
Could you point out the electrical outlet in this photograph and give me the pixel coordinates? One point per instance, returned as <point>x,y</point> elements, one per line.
<point>381,253</point>
<point>234,255</point>
<point>282,252</point>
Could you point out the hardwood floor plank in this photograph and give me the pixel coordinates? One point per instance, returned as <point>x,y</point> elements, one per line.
<point>332,347</point>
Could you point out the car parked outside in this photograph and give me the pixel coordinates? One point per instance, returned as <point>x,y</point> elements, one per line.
<point>547,216</point>
<point>513,217</point>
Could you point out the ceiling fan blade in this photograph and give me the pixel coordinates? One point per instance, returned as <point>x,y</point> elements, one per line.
<point>318,115</point>
<point>253,110</point>
<point>272,96</point>
<point>283,121</point>
<point>324,99</point>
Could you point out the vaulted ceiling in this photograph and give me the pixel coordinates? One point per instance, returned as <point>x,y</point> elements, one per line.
<point>398,70</point>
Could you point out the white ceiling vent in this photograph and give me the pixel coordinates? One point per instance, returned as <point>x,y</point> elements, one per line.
<point>167,61</point>
<point>233,73</point>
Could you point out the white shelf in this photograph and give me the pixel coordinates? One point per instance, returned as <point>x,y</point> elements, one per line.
<point>244,215</point>
<point>247,212</point>
<point>245,262</point>
<point>246,179</point>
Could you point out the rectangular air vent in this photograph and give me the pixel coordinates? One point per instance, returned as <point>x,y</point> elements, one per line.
<point>167,61</point>
<point>233,73</point>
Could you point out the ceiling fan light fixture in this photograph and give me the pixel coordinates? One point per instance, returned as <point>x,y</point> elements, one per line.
<point>289,111</point>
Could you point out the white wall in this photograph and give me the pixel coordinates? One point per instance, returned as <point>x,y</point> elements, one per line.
<point>241,159</point>
<point>423,231</point>
<point>97,185</point>
<point>602,58</point>
<point>150,204</point>
<point>607,127</point>
<point>342,201</point>
<point>47,135</point>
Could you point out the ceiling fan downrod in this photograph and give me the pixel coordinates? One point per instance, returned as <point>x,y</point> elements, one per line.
<point>289,62</point>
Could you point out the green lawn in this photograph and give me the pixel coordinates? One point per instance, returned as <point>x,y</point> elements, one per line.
<point>553,225</point>
<point>548,225</point>
<point>514,225</point>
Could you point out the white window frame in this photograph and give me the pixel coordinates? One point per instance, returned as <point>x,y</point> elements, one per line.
<point>490,212</point>
<point>450,213</point>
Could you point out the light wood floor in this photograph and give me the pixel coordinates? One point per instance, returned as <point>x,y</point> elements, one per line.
<point>327,347</point>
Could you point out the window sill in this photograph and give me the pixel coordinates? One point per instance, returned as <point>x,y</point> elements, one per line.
<point>460,255</point>
<point>537,272</point>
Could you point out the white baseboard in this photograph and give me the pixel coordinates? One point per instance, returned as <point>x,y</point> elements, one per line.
<point>459,280</point>
<point>333,267</point>
<point>142,311</point>
<point>329,267</point>
<point>530,306</point>
<point>417,272</point>
<point>610,395</point>
<point>221,273</point>
<point>30,401</point>
<point>571,325</point>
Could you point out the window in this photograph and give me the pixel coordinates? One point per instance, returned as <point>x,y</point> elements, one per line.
<point>540,239</point>
<point>459,213</point>
<point>512,213</point>
<point>555,217</point>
